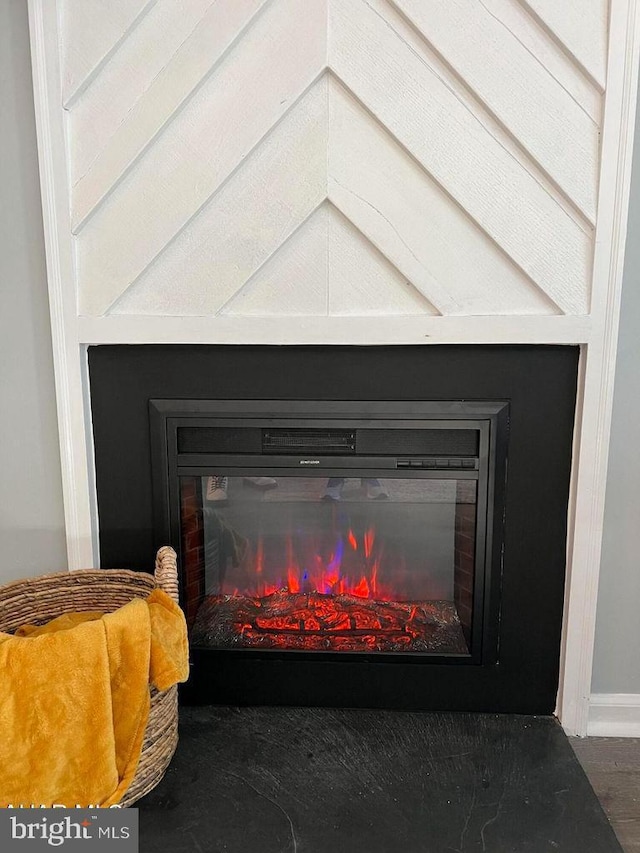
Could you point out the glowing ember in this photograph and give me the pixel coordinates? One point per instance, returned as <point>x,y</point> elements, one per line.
<point>313,621</point>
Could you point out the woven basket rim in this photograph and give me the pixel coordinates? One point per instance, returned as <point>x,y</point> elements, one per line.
<point>117,574</point>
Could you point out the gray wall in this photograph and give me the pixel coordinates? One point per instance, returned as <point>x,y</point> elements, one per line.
<point>617,654</point>
<point>31,520</point>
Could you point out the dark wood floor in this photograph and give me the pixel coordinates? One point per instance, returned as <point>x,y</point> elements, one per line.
<point>613,768</point>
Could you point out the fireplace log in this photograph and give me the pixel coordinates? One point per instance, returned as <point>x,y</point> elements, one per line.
<point>316,621</point>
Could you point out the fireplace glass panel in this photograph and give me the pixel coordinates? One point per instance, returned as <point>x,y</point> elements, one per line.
<point>339,565</point>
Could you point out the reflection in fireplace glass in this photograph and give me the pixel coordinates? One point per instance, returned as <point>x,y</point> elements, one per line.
<point>310,564</point>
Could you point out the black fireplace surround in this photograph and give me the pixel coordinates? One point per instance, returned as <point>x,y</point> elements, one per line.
<point>158,412</point>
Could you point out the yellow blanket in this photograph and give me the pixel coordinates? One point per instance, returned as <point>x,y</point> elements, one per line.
<point>74,700</point>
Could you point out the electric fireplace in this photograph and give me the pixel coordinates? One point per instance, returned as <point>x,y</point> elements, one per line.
<point>333,527</point>
<point>379,527</point>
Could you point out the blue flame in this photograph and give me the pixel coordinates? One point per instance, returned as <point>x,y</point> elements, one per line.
<point>334,564</point>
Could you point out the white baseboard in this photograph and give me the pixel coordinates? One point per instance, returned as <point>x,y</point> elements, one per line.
<point>614,715</point>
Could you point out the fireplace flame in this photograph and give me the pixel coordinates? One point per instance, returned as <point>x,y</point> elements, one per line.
<point>369,539</point>
<point>361,589</point>
<point>351,565</point>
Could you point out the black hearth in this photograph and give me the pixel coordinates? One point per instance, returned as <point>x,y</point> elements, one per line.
<point>365,527</point>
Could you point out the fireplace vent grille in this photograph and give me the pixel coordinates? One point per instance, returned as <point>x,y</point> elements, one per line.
<point>310,441</point>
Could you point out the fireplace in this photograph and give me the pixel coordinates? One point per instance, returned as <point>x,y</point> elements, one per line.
<point>356,526</point>
<point>335,527</point>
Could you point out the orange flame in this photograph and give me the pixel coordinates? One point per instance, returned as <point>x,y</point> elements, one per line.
<point>352,540</point>
<point>259,555</point>
<point>369,537</point>
<point>293,584</point>
<point>331,579</point>
<point>361,589</point>
<point>374,577</point>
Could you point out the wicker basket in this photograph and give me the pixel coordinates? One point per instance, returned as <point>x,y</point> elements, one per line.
<point>38,600</point>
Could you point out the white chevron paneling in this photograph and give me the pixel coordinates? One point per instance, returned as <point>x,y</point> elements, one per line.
<point>328,268</point>
<point>395,203</point>
<point>523,94</point>
<point>107,102</point>
<point>91,31</point>
<point>210,138</point>
<point>381,189</point>
<point>294,280</point>
<point>410,98</point>
<point>197,57</point>
<point>247,221</point>
<point>456,144</point>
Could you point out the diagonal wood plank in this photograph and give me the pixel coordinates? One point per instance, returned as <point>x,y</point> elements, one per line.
<point>256,211</point>
<point>203,147</point>
<point>581,26</point>
<point>96,116</point>
<point>522,94</point>
<point>92,31</point>
<point>535,38</point>
<point>410,99</point>
<point>224,23</point>
<point>417,226</point>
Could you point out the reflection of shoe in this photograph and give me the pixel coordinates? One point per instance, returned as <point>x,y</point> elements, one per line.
<point>376,492</point>
<point>332,493</point>
<point>261,482</point>
<point>217,489</point>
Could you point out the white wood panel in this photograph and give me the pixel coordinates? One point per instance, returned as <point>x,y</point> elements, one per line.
<point>417,226</point>
<point>219,128</point>
<point>170,89</point>
<point>582,27</point>
<point>265,201</point>
<point>368,331</point>
<point>535,38</point>
<point>361,281</point>
<point>593,423</point>
<point>204,103</point>
<point>69,357</point>
<point>425,115</point>
<point>328,268</point>
<point>91,31</point>
<point>517,88</point>
<point>105,105</point>
<point>293,280</point>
